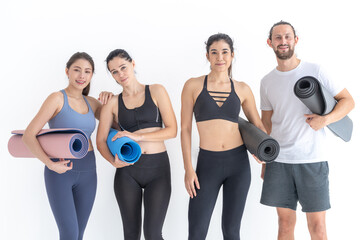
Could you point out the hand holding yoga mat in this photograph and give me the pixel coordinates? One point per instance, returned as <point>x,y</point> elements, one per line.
<point>126,149</point>
<point>315,96</point>
<point>264,147</point>
<point>56,143</point>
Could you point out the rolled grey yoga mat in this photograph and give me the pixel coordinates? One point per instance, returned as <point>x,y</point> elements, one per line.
<point>315,96</point>
<point>264,147</point>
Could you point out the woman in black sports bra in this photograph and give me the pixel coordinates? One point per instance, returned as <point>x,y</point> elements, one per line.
<point>140,111</point>
<point>216,100</point>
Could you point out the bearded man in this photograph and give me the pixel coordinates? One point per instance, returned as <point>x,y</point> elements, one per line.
<point>300,173</point>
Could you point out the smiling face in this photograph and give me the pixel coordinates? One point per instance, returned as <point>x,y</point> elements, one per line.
<point>122,70</point>
<point>79,73</point>
<point>220,56</point>
<point>283,41</point>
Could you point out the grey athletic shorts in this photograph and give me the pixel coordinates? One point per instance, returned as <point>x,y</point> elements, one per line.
<point>286,184</point>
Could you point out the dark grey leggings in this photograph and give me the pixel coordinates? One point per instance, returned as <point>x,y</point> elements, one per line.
<point>231,170</point>
<point>151,173</point>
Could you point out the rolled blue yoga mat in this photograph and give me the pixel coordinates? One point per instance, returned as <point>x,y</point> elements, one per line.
<point>127,150</point>
<point>315,96</point>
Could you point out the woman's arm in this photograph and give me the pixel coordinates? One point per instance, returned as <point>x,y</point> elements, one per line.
<point>187,105</point>
<point>48,110</point>
<point>162,100</point>
<point>108,112</point>
<point>249,106</point>
<point>266,119</point>
<point>96,105</point>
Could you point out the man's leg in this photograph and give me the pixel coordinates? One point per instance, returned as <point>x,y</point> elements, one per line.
<point>316,225</point>
<point>313,190</point>
<point>287,220</point>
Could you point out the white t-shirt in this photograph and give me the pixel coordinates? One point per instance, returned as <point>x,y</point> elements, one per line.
<point>299,143</point>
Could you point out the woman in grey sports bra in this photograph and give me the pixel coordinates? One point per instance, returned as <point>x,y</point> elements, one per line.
<point>215,100</point>
<point>70,184</point>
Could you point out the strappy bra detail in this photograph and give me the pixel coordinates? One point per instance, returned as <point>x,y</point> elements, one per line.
<point>145,116</point>
<point>214,96</point>
<point>206,107</point>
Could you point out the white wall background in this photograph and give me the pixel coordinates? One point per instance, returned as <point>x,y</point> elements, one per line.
<point>166,39</point>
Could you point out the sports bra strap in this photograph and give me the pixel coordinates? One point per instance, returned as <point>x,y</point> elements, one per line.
<point>232,86</point>
<point>65,97</point>
<point>147,91</point>
<point>66,101</point>
<point>205,82</point>
<point>87,103</point>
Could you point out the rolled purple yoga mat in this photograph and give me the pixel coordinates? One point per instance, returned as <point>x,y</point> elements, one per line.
<point>56,142</point>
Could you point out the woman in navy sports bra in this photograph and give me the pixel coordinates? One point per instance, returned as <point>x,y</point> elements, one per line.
<point>140,111</point>
<point>216,100</point>
<point>70,184</point>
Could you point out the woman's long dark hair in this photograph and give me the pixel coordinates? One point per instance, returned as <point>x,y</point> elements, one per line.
<point>218,37</point>
<point>87,57</point>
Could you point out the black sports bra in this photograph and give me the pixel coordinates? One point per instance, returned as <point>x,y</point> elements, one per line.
<point>145,116</point>
<point>206,108</point>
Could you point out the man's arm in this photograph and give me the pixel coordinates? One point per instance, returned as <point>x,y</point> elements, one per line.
<point>342,108</point>
<point>266,119</point>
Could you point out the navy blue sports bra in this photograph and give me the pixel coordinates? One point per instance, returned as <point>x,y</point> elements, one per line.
<point>206,108</point>
<point>145,116</point>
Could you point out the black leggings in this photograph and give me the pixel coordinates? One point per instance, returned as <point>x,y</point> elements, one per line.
<point>231,170</point>
<point>151,173</point>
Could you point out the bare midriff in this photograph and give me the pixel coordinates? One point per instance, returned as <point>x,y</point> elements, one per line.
<point>219,135</point>
<point>150,147</point>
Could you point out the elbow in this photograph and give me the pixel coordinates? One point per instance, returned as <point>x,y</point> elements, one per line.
<point>173,132</point>
<point>26,138</point>
<point>185,131</point>
<point>99,144</point>
<point>348,105</point>
<point>352,104</point>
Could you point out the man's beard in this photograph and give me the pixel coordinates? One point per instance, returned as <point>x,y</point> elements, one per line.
<point>284,55</point>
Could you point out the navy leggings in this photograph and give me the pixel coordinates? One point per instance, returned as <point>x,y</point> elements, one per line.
<point>151,173</point>
<point>71,196</point>
<point>231,170</point>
